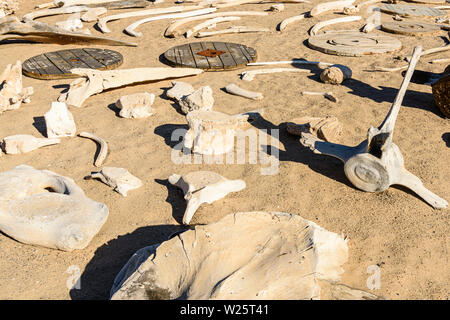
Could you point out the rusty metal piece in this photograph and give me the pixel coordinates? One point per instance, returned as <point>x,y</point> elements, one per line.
<point>210,53</point>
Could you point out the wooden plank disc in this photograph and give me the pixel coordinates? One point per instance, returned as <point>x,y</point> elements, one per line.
<point>410,28</point>
<point>353,43</point>
<point>210,56</point>
<point>406,10</point>
<point>57,64</point>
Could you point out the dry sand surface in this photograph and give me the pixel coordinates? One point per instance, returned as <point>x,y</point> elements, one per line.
<point>394,229</point>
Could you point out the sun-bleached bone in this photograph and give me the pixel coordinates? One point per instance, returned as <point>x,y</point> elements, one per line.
<point>234,89</point>
<point>329,95</point>
<point>110,4</point>
<point>233,29</point>
<point>179,90</point>
<point>330,6</point>
<point>23,143</point>
<point>9,6</point>
<point>384,69</point>
<point>171,31</point>
<point>431,51</point>
<point>373,21</point>
<point>212,132</point>
<point>336,74</point>
<point>63,219</point>
<point>73,23</point>
<point>377,163</point>
<point>250,75</point>
<point>204,263</point>
<point>444,60</point>
<point>225,4</point>
<point>117,178</point>
<point>131,28</point>
<point>208,23</point>
<point>103,21</point>
<point>355,9</point>
<point>136,105</point>
<point>327,129</point>
<point>59,121</point>
<point>52,12</point>
<point>200,99</point>
<point>95,81</point>
<point>277,7</point>
<point>12,93</point>
<point>283,24</point>
<point>203,187</point>
<point>103,147</point>
<point>325,23</point>
<point>93,14</point>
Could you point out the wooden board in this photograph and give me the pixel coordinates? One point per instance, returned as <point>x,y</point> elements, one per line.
<point>57,64</point>
<point>353,43</point>
<point>410,28</point>
<point>210,56</point>
<point>406,10</point>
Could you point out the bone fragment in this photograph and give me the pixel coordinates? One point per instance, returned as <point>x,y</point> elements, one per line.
<point>136,105</point>
<point>329,95</point>
<point>293,61</point>
<point>431,51</point>
<point>383,69</point>
<point>323,24</point>
<point>93,14</point>
<point>117,178</point>
<point>72,24</point>
<point>103,147</point>
<point>23,143</point>
<point>9,6</point>
<point>283,24</point>
<point>69,3</point>
<point>330,6</point>
<point>234,89</point>
<point>355,9</point>
<point>200,99</point>
<point>250,75</point>
<point>209,22</point>
<point>336,74</point>
<point>440,60</point>
<point>234,29</point>
<point>179,90</point>
<point>327,129</point>
<point>12,93</point>
<point>277,7</point>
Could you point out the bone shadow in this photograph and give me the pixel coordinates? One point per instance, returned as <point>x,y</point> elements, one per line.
<point>40,125</point>
<point>113,107</point>
<point>98,277</point>
<point>165,131</point>
<point>446,138</point>
<point>175,105</point>
<point>175,198</point>
<point>65,87</point>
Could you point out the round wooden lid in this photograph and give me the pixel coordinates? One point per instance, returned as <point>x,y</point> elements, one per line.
<point>410,28</point>
<point>57,64</point>
<point>407,10</point>
<point>210,56</point>
<point>353,43</point>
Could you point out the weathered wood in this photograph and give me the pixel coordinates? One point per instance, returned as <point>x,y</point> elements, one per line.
<point>405,10</point>
<point>441,94</point>
<point>410,28</point>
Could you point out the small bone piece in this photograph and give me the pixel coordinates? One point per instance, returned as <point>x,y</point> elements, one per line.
<point>212,132</point>
<point>234,29</point>
<point>23,143</point>
<point>95,81</point>
<point>329,95</point>
<point>203,187</point>
<point>9,6</point>
<point>250,75</point>
<point>277,7</point>
<point>383,69</point>
<point>118,178</point>
<point>377,163</point>
<point>330,6</point>
<point>397,18</point>
<point>323,24</point>
<point>93,14</point>
<point>179,90</point>
<point>444,60</point>
<point>209,22</point>
<point>283,24</point>
<point>63,219</point>
<point>59,121</point>
<point>234,89</point>
<point>103,147</point>
<point>350,10</point>
<point>136,105</point>
<point>73,23</point>
<point>327,129</point>
<point>336,74</point>
<point>200,99</point>
<point>12,93</point>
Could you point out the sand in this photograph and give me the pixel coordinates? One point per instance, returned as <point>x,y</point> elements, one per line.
<point>394,229</point>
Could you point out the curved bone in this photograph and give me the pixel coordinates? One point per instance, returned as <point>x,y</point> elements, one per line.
<point>293,61</point>
<point>131,28</point>
<point>377,163</point>
<point>250,75</point>
<point>103,21</point>
<point>330,6</point>
<point>93,14</point>
<point>103,147</point>
<point>203,187</point>
<point>208,23</point>
<point>323,24</point>
<point>118,178</point>
<point>95,81</point>
<point>171,30</point>
<point>329,95</point>
<point>52,12</point>
<point>64,219</point>
<point>234,29</point>
<point>23,143</point>
<point>283,24</point>
<point>234,89</point>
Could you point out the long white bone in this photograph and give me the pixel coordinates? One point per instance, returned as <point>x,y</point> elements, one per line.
<point>103,147</point>
<point>377,163</point>
<point>232,3</point>
<point>23,143</point>
<point>69,3</point>
<point>234,29</point>
<point>131,28</point>
<point>234,89</point>
<point>171,30</point>
<point>285,22</point>
<point>250,75</point>
<point>208,23</point>
<point>52,12</point>
<point>329,95</point>
<point>330,6</point>
<point>323,24</point>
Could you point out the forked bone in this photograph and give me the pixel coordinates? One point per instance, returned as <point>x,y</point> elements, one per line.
<point>63,219</point>
<point>377,163</point>
<point>330,6</point>
<point>23,143</point>
<point>250,75</point>
<point>325,23</point>
<point>103,147</point>
<point>233,29</point>
<point>118,178</point>
<point>234,89</point>
<point>203,187</point>
<point>95,81</point>
<point>208,23</point>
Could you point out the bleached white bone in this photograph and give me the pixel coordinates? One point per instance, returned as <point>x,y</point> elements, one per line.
<point>95,81</point>
<point>384,69</point>
<point>137,105</point>
<point>327,129</point>
<point>72,24</point>
<point>277,7</point>
<point>283,24</point>
<point>171,29</point>
<point>131,28</point>
<point>52,12</point>
<point>209,22</point>
<point>179,90</point>
<point>329,95</point>
<point>203,187</point>
<point>330,6</point>
<point>234,89</point>
<point>444,60</point>
<point>250,75</point>
<point>355,9</point>
<point>431,51</point>
<point>93,14</point>
<point>23,143</point>
<point>233,29</point>
<point>117,178</point>
<point>323,24</point>
<point>103,147</point>
<point>377,163</point>
<point>59,121</point>
<point>12,93</point>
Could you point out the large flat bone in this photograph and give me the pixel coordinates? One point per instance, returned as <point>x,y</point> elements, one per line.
<point>203,187</point>
<point>23,143</point>
<point>63,219</point>
<point>233,29</point>
<point>94,81</point>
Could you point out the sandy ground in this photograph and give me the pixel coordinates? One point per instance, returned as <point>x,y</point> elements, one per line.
<point>394,229</point>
